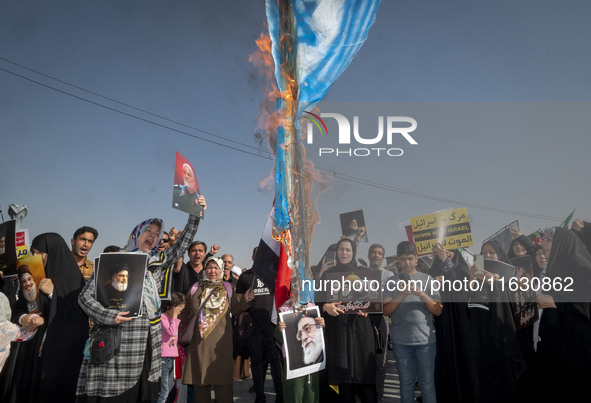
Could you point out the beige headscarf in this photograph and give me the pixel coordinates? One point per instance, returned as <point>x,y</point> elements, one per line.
<point>217,304</point>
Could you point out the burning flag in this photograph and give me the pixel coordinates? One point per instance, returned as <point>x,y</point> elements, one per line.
<point>312,42</point>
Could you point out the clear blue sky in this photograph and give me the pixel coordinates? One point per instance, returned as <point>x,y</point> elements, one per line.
<point>501,92</point>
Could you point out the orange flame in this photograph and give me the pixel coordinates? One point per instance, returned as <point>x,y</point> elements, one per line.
<point>270,118</point>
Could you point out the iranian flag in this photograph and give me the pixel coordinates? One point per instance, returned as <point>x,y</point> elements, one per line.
<point>270,266</point>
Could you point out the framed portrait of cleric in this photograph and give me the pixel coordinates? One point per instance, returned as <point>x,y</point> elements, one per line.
<point>356,291</point>
<point>503,236</point>
<point>29,272</point>
<point>303,340</point>
<point>185,191</point>
<point>120,281</point>
<point>525,303</point>
<point>8,248</point>
<point>500,269</point>
<point>32,264</point>
<point>353,226</point>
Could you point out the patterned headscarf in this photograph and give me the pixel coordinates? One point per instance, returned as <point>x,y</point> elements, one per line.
<point>132,246</point>
<point>548,233</point>
<point>217,304</point>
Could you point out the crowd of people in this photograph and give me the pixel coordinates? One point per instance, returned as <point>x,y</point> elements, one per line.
<point>454,345</point>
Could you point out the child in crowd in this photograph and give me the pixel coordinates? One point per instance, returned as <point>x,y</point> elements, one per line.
<point>170,330</point>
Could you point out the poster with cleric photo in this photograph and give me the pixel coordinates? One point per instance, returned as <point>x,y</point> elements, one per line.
<point>120,281</point>
<point>185,191</point>
<point>7,248</point>
<point>353,226</point>
<point>525,302</point>
<point>355,291</point>
<point>303,340</point>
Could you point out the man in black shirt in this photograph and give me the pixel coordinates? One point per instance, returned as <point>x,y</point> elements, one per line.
<point>261,342</point>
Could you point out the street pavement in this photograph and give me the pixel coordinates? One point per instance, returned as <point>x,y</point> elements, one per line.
<point>391,390</point>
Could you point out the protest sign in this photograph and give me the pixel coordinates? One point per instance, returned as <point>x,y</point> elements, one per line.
<point>8,248</point>
<point>34,265</point>
<point>355,291</point>
<point>525,302</point>
<point>120,281</point>
<point>353,226</point>
<point>185,191</point>
<point>451,228</point>
<point>304,343</point>
<point>22,241</point>
<point>504,235</point>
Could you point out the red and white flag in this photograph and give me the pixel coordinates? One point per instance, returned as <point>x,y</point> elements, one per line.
<point>270,266</point>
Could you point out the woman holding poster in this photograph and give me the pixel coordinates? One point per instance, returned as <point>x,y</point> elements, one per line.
<point>134,373</point>
<point>30,311</point>
<point>50,308</point>
<point>350,340</point>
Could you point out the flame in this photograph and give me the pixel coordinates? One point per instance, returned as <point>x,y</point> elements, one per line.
<point>270,118</point>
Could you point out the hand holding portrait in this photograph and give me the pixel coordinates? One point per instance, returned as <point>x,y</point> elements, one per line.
<point>201,202</point>
<point>333,308</point>
<point>577,224</point>
<point>360,232</point>
<point>121,317</point>
<point>46,286</point>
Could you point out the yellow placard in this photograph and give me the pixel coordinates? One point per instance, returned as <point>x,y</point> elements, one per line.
<point>451,228</point>
<point>22,252</point>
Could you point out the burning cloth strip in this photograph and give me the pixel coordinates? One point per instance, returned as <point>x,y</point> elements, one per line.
<point>313,42</point>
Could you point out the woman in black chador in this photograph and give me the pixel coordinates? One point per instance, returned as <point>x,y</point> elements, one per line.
<point>455,363</point>
<point>350,341</point>
<point>47,366</point>
<point>564,349</point>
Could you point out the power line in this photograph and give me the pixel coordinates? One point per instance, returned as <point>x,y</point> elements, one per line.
<point>132,116</point>
<point>129,105</point>
<point>441,199</point>
<point>268,155</point>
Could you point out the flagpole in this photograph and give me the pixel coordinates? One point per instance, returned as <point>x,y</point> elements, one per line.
<point>298,247</point>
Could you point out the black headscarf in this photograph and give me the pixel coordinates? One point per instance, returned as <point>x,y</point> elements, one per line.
<point>500,252</point>
<point>459,271</point>
<point>570,258</point>
<point>351,265</point>
<point>566,331</point>
<point>525,242</point>
<point>350,341</point>
<point>68,325</point>
<point>61,267</point>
